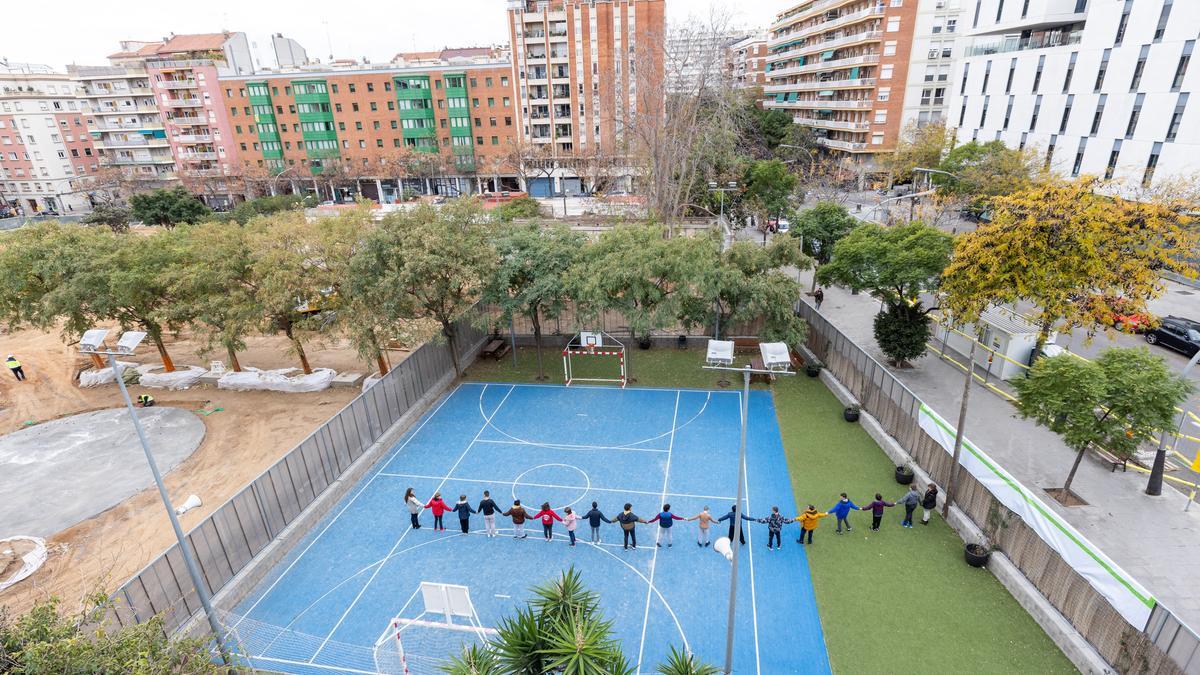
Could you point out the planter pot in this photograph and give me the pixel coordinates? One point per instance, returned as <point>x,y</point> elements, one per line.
<point>812,370</point>
<point>904,475</point>
<point>976,555</point>
<point>850,414</point>
<point>644,343</point>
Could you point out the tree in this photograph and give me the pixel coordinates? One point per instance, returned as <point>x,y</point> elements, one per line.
<point>112,216</point>
<point>919,146</point>
<point>768,189</point>
<point>521,207</point>
<point>45,640</point>
<point>895,264</point>
<point>1116,403</point>
<point>986,170</point>
<point>168,207</point>
<point>532,277</point>
<point>427,264</point>
<point>263,206</point>
<point>819,228</point>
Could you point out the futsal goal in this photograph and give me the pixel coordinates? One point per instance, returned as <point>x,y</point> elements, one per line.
<point>593,345</point>
<point>426,642</point>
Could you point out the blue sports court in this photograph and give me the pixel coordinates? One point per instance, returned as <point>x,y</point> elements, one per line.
<point>324,606</point>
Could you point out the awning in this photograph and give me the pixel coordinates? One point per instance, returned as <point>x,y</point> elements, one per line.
<point>825,56</point>
<point>793,96</point>
<point>825,92</point>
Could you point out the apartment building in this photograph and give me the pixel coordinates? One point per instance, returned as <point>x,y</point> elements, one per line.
<point>696,61</point>
<point>447,127</point>
<point>746,61</point>
<point>842,68</point>
<point>126,125</point>
<point>582,72</point>
<point>46,152</point>
<point>1100,87</point>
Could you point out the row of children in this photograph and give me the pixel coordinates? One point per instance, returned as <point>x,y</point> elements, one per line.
<point>628,520</point>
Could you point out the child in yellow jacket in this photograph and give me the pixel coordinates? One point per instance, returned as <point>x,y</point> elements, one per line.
<point>809,520</point>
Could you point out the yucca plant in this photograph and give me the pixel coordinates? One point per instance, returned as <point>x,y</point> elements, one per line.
<point>474,660</point>
<point>562,597</point>
<point>685,663</point>
<point>519,643</point>
<point>581,644</point>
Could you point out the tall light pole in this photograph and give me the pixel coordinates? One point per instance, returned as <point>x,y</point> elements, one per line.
<point>92,342</point>
<point>1154,485</point>
<point>729,187</point>
<point>771,353</point>
<point>275,179</point>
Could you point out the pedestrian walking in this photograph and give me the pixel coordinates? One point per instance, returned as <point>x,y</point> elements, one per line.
<point>547,516</point>
<point>775,523</point>
<point>414,508</point>
<point>819,296</point>
<point>705,520</point>
<point>518,515</point>
<point>809,520</point>
<point>594,518</point>
<point>439,509</point>
<point>876,508</point>
<point>488,508</point>
<point>665,520</point>
<point>910,500</point>
<point>464,511</point>
<point>15,366</point>
<point>929,503</point>
<point>628,521</point>
<point>570,521</point>
<point>841,510</point>
<point>732,518</point>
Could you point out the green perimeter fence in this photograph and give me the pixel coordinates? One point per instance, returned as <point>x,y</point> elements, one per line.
<point>229,539</point>
<point>1164,645</point>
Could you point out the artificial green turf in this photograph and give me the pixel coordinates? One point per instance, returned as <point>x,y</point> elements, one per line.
<point>894,601</point>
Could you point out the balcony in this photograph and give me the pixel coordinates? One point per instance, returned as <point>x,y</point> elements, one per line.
<point>817,104</point>
<point>182,103</point>
<point>821,66</point>
<point>848,146</point>
<point>826,26</point>
<point>188,120</point>
<point>134,161</point>
<point>125,110</point>
<point>815,46</point>
<point>197,156</point>
<point>125,126</point>
<point>178,84</point>
<point>193,138</point>
<point>1038,40</point>
<point>813,10</point>
<point>535,35</point>
<point>112,143</point>
<point>810,85</point>
<point>831,124</point>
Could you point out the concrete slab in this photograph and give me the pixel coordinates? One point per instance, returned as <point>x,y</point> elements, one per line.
<point>347,380</point>
<point>56,474</point>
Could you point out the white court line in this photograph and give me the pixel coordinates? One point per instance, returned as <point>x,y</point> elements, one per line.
<point>383,462</point>
<point>553,486</point>
<point>750,542</point>
<point>486,421</point>
<point>569,446</point>
<point>654,560</point>
<point>288,662</point>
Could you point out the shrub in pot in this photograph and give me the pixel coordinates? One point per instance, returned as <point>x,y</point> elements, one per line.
<point>976,554</point>
<point>904,474</point>
<point>813,369</point>
<point>644,342</point>
<point>851,413</point>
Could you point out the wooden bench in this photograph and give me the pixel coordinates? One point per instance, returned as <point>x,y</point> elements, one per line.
<point>1112,460</point>
<point>756,363</point>
<point>495,349</point>
<point>745,345</point>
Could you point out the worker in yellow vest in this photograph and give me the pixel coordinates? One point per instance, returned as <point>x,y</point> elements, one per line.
<point>15,366</point>
<point>146,401</point>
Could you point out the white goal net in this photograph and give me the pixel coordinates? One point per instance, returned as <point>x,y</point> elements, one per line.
<point>423,644</point>
<point>586,346</point>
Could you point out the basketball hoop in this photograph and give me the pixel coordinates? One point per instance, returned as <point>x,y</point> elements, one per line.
<point>593,343</point>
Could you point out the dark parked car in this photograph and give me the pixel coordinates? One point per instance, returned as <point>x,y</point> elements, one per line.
<point>1179,334</point>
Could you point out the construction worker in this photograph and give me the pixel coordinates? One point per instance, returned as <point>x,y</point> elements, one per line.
<point>15,366</point>
<point>146,401</point>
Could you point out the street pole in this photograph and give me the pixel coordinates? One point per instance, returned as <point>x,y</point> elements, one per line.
<point>512,335</point>
<point>952,482</point>
<point>184,548</point>
<point>1154,485</point>
<point>737,524</point>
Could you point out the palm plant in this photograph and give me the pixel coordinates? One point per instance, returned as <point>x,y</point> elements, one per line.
<point>685,663</point>
<point>474,660</point>
<point>563,597</point>
<point>582,644</point>
<point>518,644</point>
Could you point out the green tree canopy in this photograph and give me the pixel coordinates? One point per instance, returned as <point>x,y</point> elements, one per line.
<point>1117,402</point>
<point>264,206</point>
<point>168,207</point>
<point>767,188</point>
<point>919,146</point>
<point>986,170</point>
<point>820,227</point>
<point>521,207</point>
<point>112,216</point>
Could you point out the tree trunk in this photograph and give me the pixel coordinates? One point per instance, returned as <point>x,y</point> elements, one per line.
<point>233,359</point>
<point>813,288</point>
<point>97,362</point>
<point>382,363</point>
<point>168,364</point>
<point>299,346</point>
<point>537,341</point>
<point>448,331</point>
<point>1071,476</point>
<point>952,482</point>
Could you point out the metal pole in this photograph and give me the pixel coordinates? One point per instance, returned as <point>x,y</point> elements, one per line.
<point>737,524</point>
<point>958,434</point>
<point>184,548</point>
<point>512,335</point>
<point>1154,485</point>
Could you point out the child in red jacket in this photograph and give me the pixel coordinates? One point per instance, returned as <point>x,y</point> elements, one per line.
<point>439,509</point>
<point>548,517</point>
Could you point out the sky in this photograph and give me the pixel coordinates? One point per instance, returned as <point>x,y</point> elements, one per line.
<point>85,32</point>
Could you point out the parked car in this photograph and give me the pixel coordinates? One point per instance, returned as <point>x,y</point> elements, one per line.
<point>783,225</point>
<point>1182,335</point>
<point>1117,312</point>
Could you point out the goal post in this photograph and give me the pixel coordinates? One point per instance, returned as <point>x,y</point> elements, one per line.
<point>427,641</point>
<point>590,345</point>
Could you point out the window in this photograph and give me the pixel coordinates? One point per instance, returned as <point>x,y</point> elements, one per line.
<point>351,87</point>
<point>334,88</point>
<point>1099,114</point>
<point>884,93</point>
<point>1070,71</point>
<point>984,111</point>
<point>962,112</point>
<point>504,81</point>
<point>1152,162</point>
<point>885,71</point>
<point>1012,69</point>
<point>889,48</point>
<point>1123,24</point>
<point>375,124</point>
<point>1008,113</point>
<point>1139,68</point>
<point>877,139</point>
<point>987,75</point>
<point>999,10</point>
<point>951,25</point>
<point>391,105</point>
<point>962,86</point>
<point>1112,160</point>
<point>880,117</point>
<point>1176,117</point>
<point>1079,156</point>
<point>474,83</point>
<point>374,106</point>
<point>495,140</point>
<point>487,81</point>
<point>491,102</point>
<point>1066,117</point>
<point>508,121</point>
<point>1162,21</point>
<point>507,102</point>
<point>975,20</point>
<point>479,140</point>
<point>1103,70</point>
<point>1134,115</point>
<point>370,86</point>
<point>354,107</point>
<point>393,124</point>
<point>1037,76</point>
<point>893,24</point>
<point>491,121</point>
<point>358,126</point>
<point>341,126</point>
<point>287,91</point>
<point>1181,69</point>
<point>474,103</point>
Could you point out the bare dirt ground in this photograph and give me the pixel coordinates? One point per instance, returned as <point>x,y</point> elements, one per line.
<point>250,434</point>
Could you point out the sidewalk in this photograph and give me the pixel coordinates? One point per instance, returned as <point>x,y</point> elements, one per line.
<point>1152,538</point>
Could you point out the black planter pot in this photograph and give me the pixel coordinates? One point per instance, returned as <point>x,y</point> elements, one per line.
<point>850,414</point>
<point>904,475</point>
<point>812,370</point>
<point>976,555</point>
<point>644,343</point>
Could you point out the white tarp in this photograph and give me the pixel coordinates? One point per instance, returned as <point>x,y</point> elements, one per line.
<point>253,379</point>
<point>98,376</point>
<point>1125,594</point>
<point>31,560</point>
<point>153,376</point>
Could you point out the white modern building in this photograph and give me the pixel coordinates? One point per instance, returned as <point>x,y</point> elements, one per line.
<point>937,42</point>
<point>1100,87</point>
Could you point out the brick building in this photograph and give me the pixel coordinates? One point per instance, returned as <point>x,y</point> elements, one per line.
<point>747,62</point>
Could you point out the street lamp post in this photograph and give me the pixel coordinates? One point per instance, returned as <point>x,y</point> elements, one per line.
<point>729,187</point>
<point>1154,485</point>
<point>746,372</point>
<point>92,343</point>
<point>275,180</point>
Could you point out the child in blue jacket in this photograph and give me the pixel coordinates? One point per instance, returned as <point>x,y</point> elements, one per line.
<point>841,511</point>
<point>665,520</point>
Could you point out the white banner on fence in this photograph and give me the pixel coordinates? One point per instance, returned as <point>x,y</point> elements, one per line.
<point>1125,595</point>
